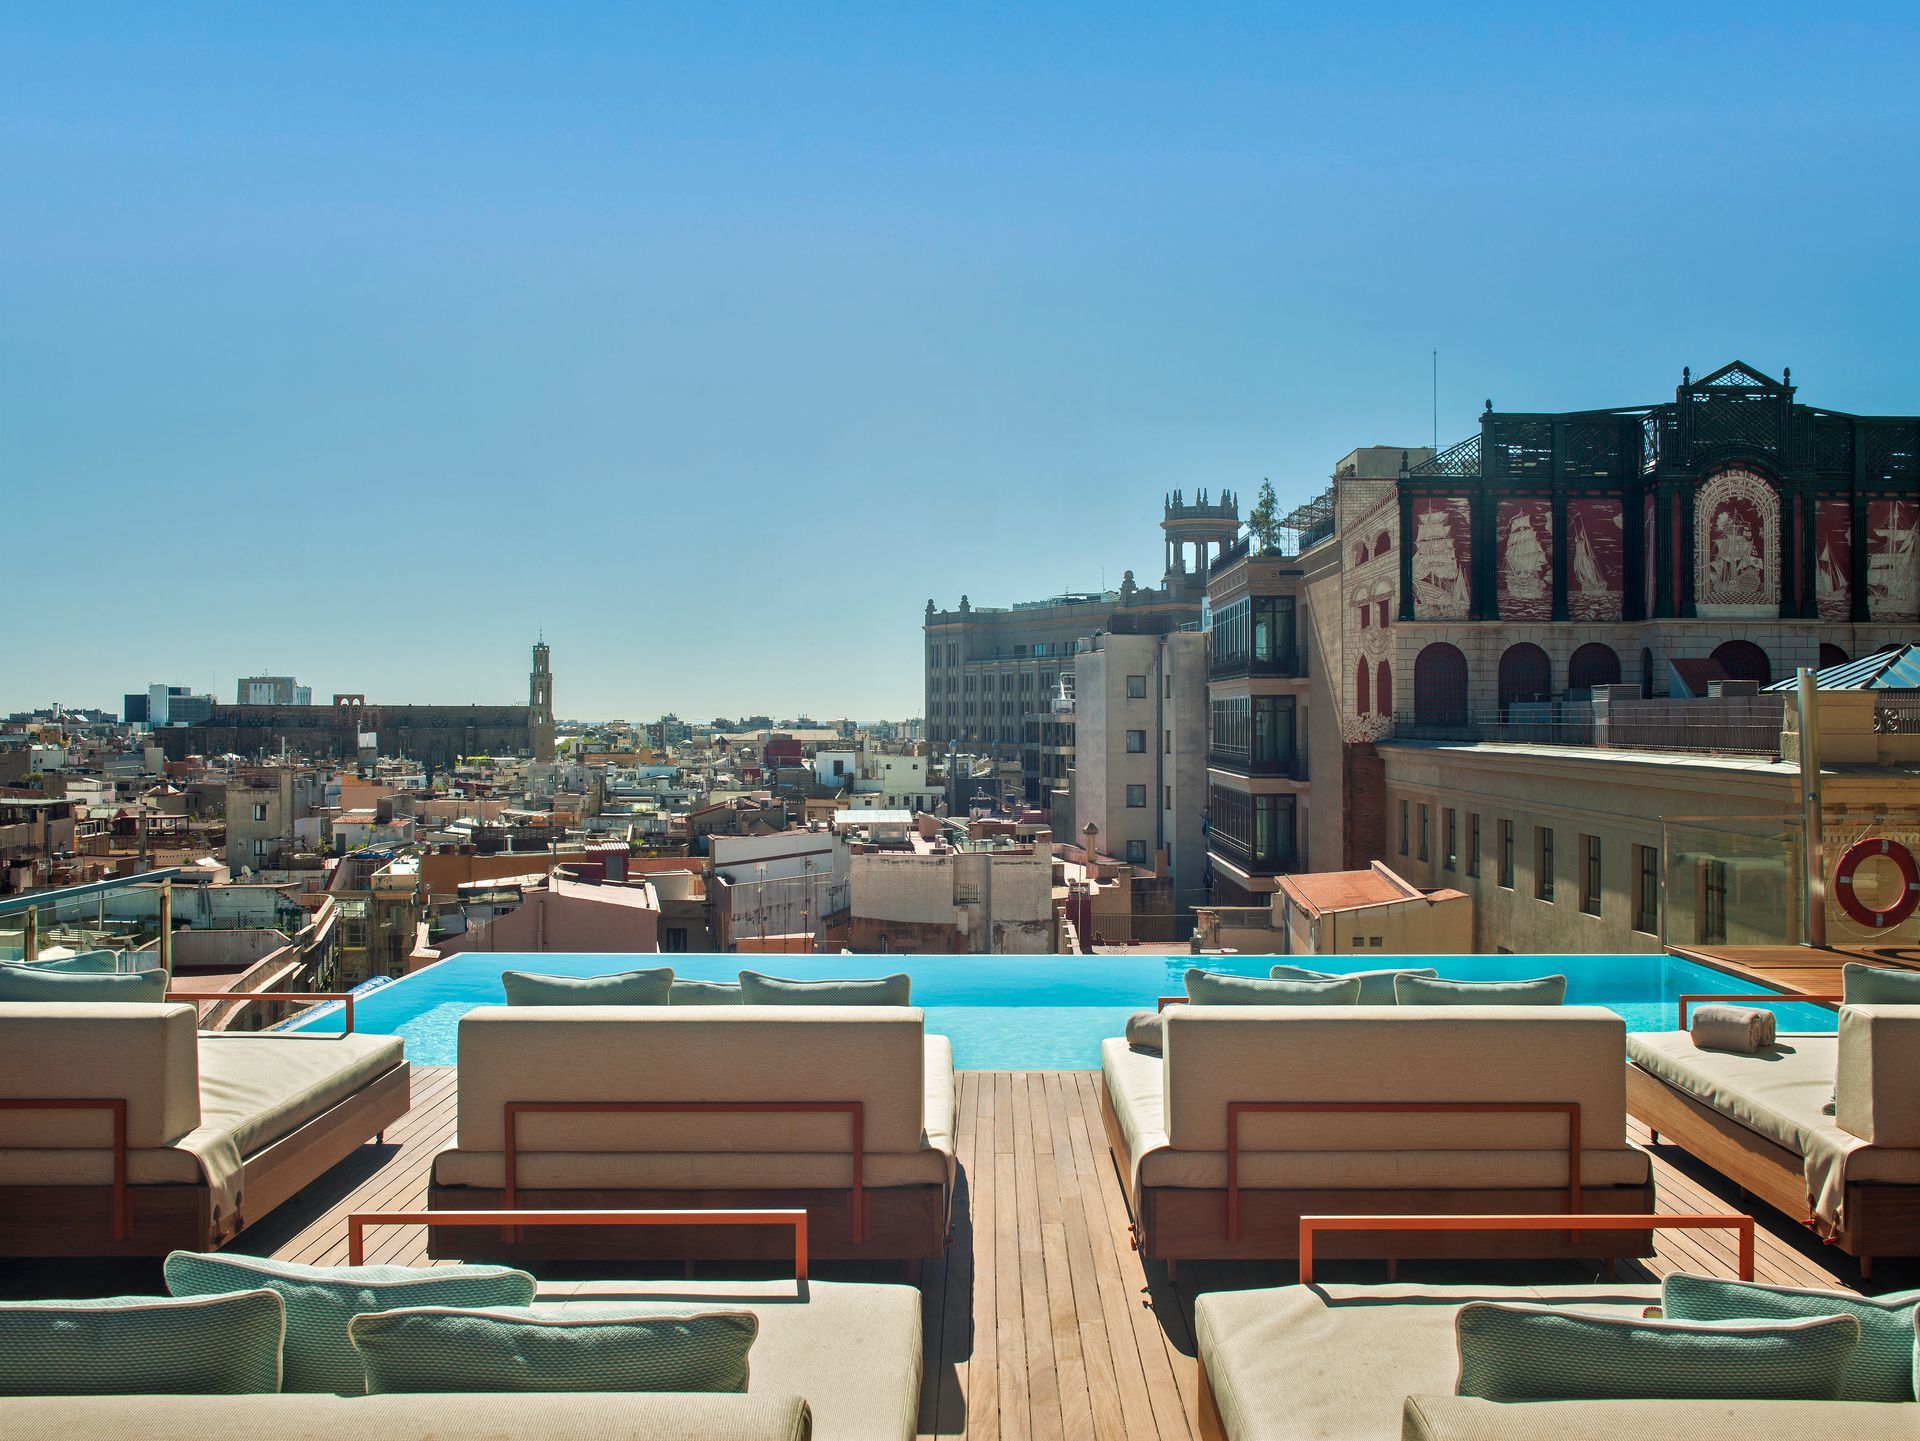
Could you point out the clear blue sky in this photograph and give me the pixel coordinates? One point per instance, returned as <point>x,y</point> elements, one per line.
<point>365,342</point>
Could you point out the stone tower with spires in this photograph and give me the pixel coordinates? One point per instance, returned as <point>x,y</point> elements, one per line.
<point>540,701</point>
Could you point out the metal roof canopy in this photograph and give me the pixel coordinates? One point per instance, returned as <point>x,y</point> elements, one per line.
<point>1896,669</point>
<point>63,895</point>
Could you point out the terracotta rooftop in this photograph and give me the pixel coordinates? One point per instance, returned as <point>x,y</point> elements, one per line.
<point>1323,891</point>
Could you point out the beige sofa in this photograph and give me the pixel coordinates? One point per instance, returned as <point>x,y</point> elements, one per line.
<point>1762,1120</point>
<point>844,1111</point>
<point>1391,1110</point>
<point>215,1130</point>
<point>567,1417</point>
<point>1369,1363</point>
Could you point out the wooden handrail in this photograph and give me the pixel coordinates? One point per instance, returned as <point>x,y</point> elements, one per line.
<point>345,997</point>
<point>1778,997</point>
<point>1236,1109</point>
<point>358,1221</point>
<point>122,1219</point>
<point>855,1111</point>
<point>1310,1226</point>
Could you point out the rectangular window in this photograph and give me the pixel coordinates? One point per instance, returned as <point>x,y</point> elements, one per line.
<point>966,895</point>
<point>1543,863</point>
<point>1590,884</point>
<point>1646,909</point>
<point>1136,797</point>
<point>1450,857</point>
<point>1136,743</point>
<point>675,939</point>
<point>260,812</point>
<point>1506,854</point>
<point>1403,828</point>
<point>1137,853</point>
<point>1253,830</point>
<point>1425,847</point>
<point>1713,901</point>
<point>1169,687</point>
<point>1169,797</point>
<point>1473,845</point>
<point>1166,741</point>
<point>1136,687</point>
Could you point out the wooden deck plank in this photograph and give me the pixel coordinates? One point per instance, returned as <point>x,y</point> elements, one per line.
<point>1045,1420</point>
<point>1016,1419</point>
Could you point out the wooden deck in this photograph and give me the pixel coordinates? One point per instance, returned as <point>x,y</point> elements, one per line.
<point>1040,1320</point>
<point>1799,968</point>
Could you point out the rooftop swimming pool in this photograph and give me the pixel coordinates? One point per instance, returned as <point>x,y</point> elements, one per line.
<point>1026,1013</point>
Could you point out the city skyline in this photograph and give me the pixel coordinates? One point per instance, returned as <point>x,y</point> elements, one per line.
<point>364,346</point>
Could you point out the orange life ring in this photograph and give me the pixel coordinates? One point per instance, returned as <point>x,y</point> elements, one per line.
<point>1903,904</point>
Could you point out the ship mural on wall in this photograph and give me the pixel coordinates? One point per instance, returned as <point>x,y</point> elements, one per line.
<point>1523,567</point>
<point>1441,561</point>
<point>1833,559</point>
<point>1736,542</point>
<point>1893,581</point>
<point>1595,560</point>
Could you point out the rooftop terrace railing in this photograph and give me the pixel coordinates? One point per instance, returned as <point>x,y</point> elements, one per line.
<point>1751,730</point>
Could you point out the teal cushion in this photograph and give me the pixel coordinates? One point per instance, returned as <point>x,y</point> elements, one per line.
<point>1422,991</point>
<point>628,988</point>
<point>1881,1370</point>
<point>759,990</point>
<point>1211,988</point>
<point>226,1345</point>
<point>1878,985</point>
<point>586,1348</point>
<point>321,1300</point>
<point>1376,987</point>
<point>1528,1353</point>
<point>705,993</point>
<point>36,983</point>
<point>87,963</point>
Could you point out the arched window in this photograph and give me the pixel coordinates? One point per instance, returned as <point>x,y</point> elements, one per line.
<point>1646,674</point>
<point>1525,675</point>
<point>1831,654</point>
<point>1591,665</point>
<point>1440,686</point>
<point>1383,691</point>
<point>1362,689</point>
<point>1382,543</point>
<point>1360,553</point>
<point>1743,660</point>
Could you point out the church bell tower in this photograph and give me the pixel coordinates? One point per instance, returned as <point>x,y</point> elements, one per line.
<point>540,702</point>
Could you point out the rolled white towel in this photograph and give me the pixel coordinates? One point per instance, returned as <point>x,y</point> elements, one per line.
<point>1144,1031</point>
<point>1733,1028</point>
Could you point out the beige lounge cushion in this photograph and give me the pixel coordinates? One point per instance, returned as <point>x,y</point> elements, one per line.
<point>852,1348</point>
<point>1464,1418</point>
<point>623,1164</point>
<point>1877,1084</point>
<point>1218,1054</point>
<point>1134,1086</point>
<point>145,1055</point>
<point>1780,1094</point>
<point>1337,1362</point>
<point>551,1417</point>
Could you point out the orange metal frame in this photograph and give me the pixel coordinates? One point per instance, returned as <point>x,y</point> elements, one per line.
<point>1686,1001</point>
<point>855,1111</point>
<point>1310,1226</point>
<point>1236,1109</point>
<point>122,1196</point>
<point>1166,1001</point>
<point>269,996</point>
<point>357,1223</point>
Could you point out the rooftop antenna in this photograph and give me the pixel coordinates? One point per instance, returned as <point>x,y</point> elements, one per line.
<point>1436,402</point>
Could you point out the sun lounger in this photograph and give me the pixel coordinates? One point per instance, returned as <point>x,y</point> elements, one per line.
<point>1255,1116</point>
<point>846,1112</point>
<point>124,1131</point>
<point>1823,1127</point>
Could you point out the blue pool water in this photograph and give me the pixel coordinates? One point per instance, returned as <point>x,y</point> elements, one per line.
<point>1028,1013</point>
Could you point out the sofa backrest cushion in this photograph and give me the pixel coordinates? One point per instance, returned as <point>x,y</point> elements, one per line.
<point>41,983</point>
<point>1878,1076</point>
<point>321,1300</point>
<point>874,1055</point>
<point>624,988</point>
<point>1417,990</point>
<point>589,1348</point>
<point>146,1055</point>
<point>1376,987</point>
<point>1880,1370</point>
<point>1218,1054</point>
<point>1215,988</point>
<point>142,1346</point>
<point>759,990</point>
<point>1879,985</point>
